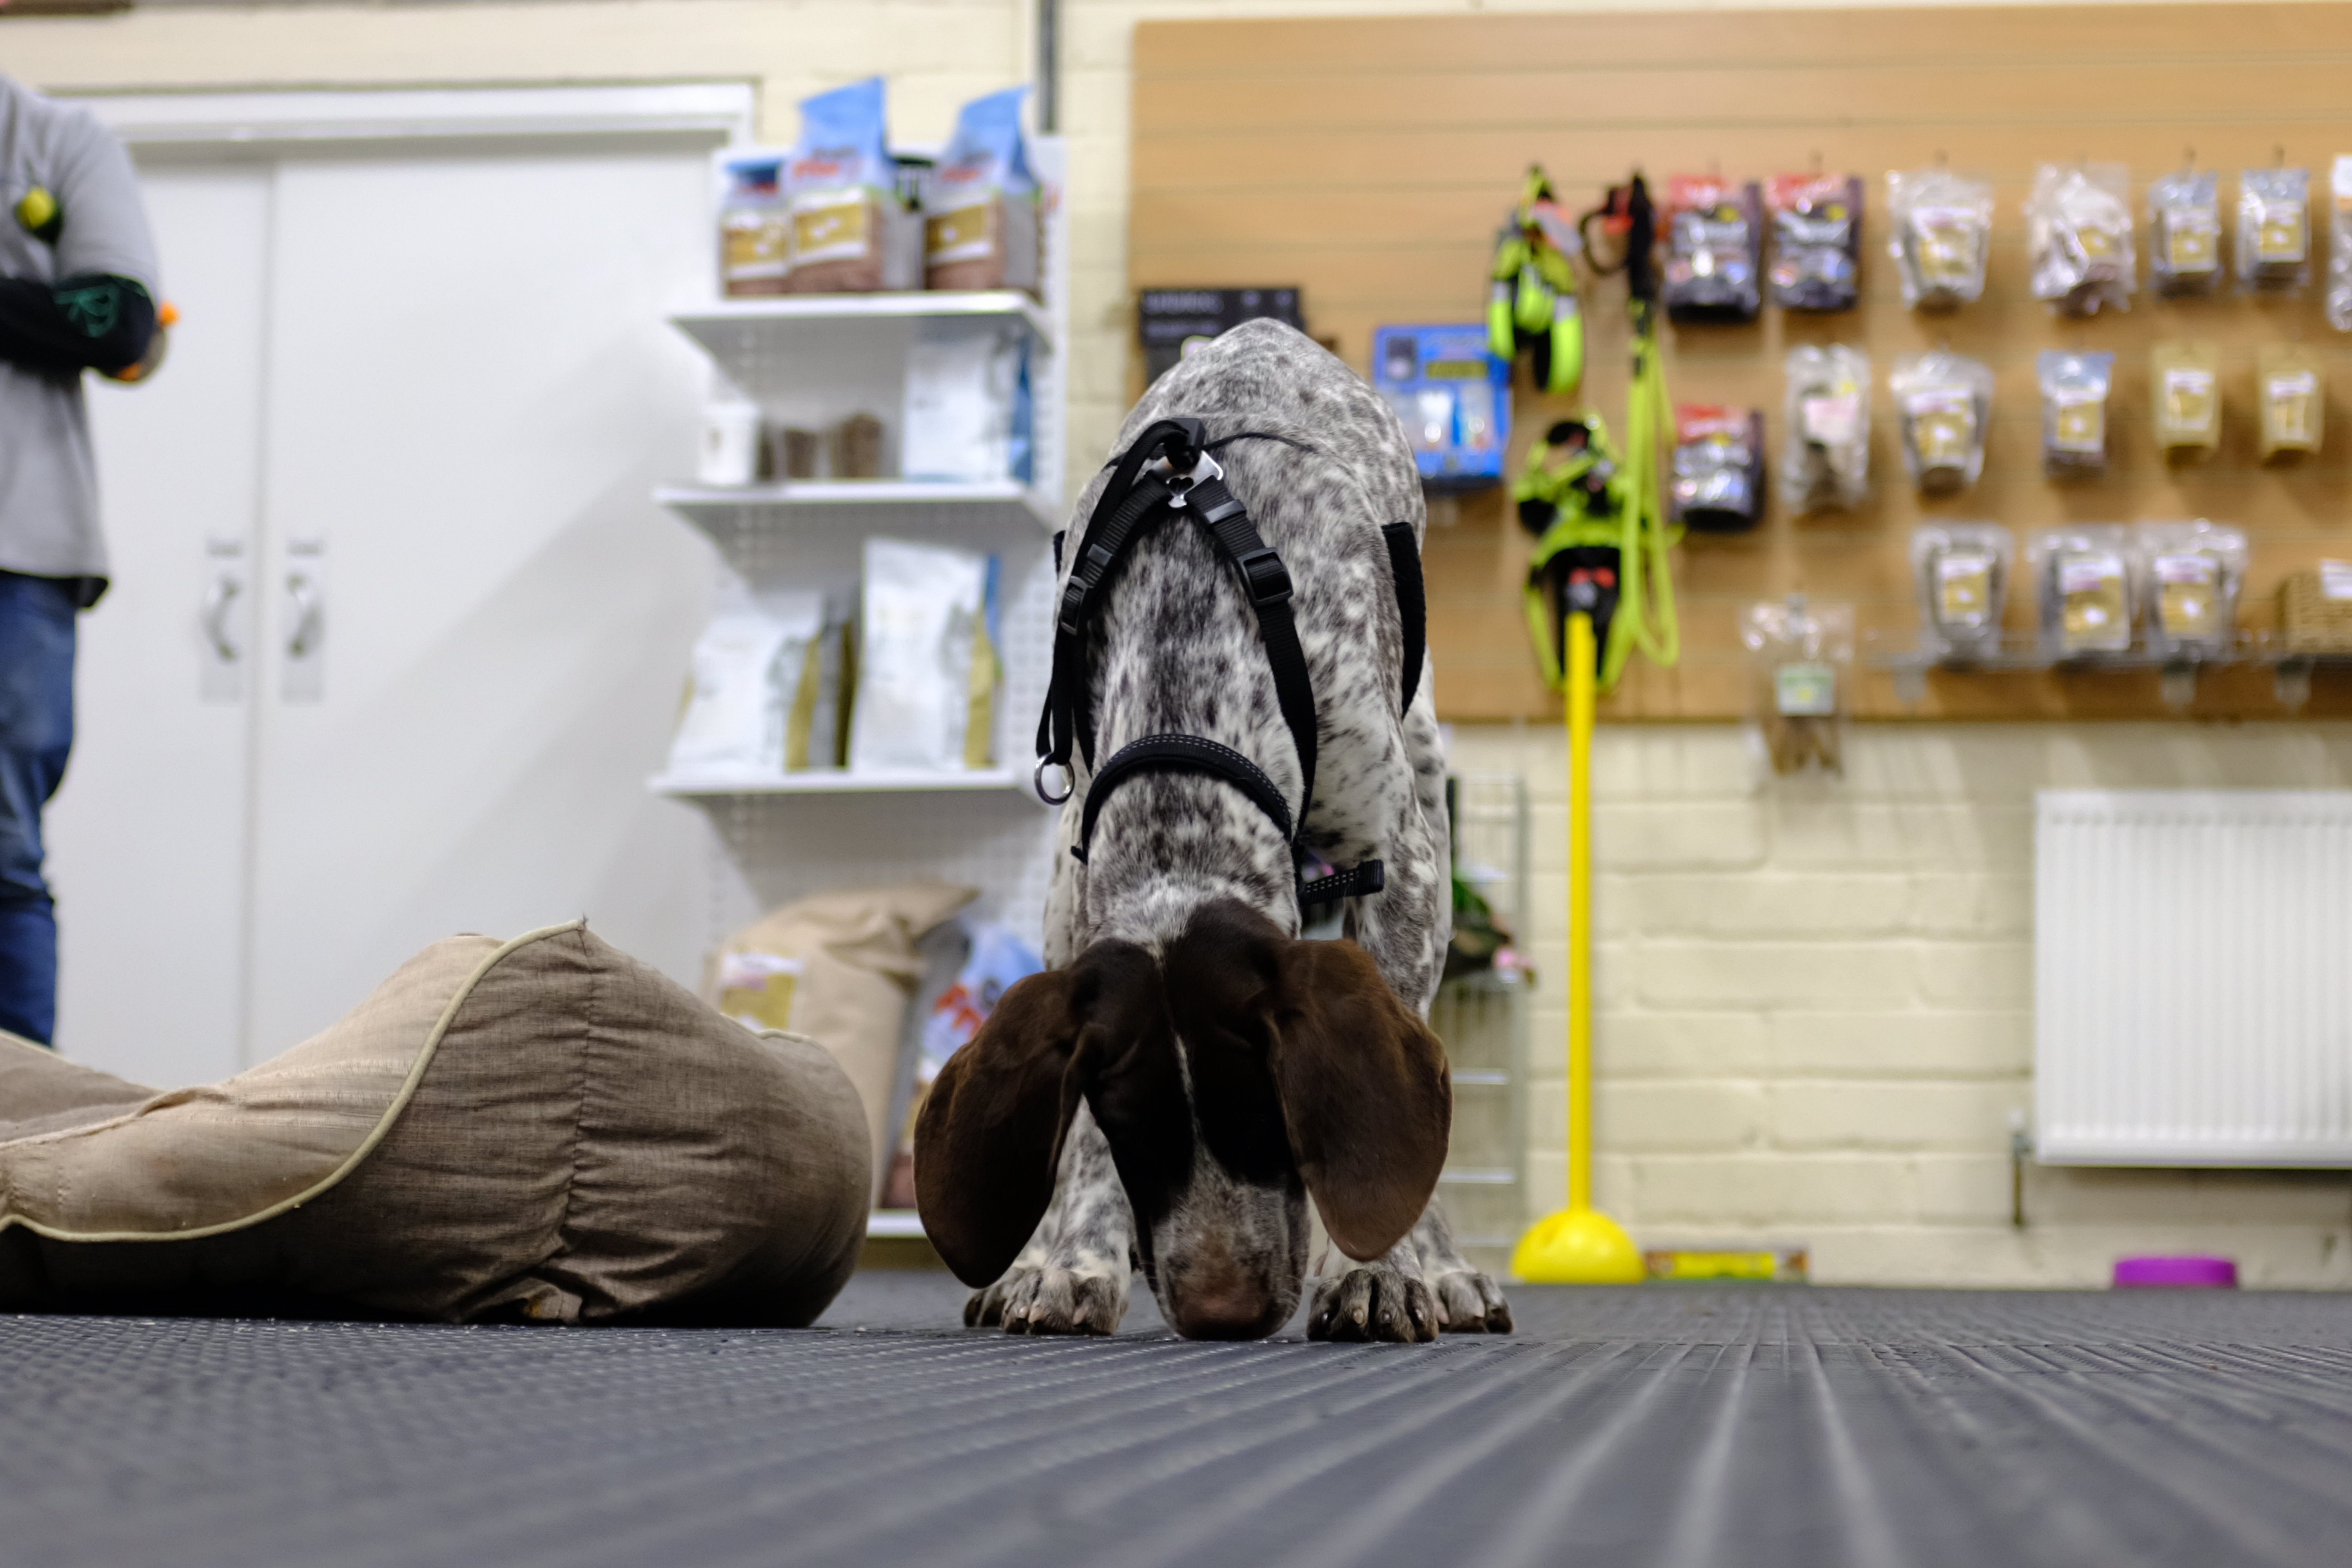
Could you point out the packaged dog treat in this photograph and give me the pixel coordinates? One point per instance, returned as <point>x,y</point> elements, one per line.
<point>1943,230</point>
<point>996,960</point>
<point>1715,239</point>
<point>2339,246</point>
<point>2288,398</point>
<point>2074,388</point>
<point>2184,232</point>
<point>1826,461</point>
<point>851,234</point>
<point>2084,579</point>
<point>980,204</point>
<point>1943,401</point>
<point>2185,396</point>
<point>2274,230</point>
<point>2191,574</point>
<point>2078,228</point>
<point>1962,571</point>
<point>1718,468</point>
<point>748,668</point>
<point>755,230</point>
<point>927,664</point>
<point>1799,658</point>
<point>1816,241</point>
<point>968,410</point>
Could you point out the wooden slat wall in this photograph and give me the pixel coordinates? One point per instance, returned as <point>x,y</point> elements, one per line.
<point>1371,161</point>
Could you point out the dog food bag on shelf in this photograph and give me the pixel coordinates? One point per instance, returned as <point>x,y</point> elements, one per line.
<point>2083,576</point>
<point>2274,230</point>
<point>817,717</point>
<point>927,661</point>
<point>755,229</point>
<point>2184,233</point>
<point>2078,228</point>
<point>1800,661</point>
<point>996,960</point>
<point>1943,232</point>
<point>747,669</point>
<point>2185,396</point>
<point>1816,241</point>
<point>1963,575</point>
<point>2339,244</point>
<point>2288,398</point>
<point>2074,388</point>
<point>1943,401</point>
<point>2191,574</point>
<point>1825,460</point>
<point>969,414</point>
<point>1718,468</point>
<point>1714,242</point>
<point>980,204</point>
<point>851,234</point>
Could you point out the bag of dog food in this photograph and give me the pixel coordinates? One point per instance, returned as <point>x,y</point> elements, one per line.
<point>1799,658</point>
<point>1826,461</point>
<point>968,413</point>
<point>2274,230</point>
<point>850,232</point>
<point>1963,571</point>
<point>980,206</point>
<point>2189,574</point>
<point>994,961</point>
<point>749,667</point>
<point>1943,232</point>
<point>1944,403</point>
<point>2289,399</point>
<point>1718,484</point>
<point>2184,233</point>
<point>928,669</point>
<point>1816,241</point>
<point>1714,249</point>
<point>2074,389</point>
<point>2185,394</point>
<point>2084,575</point>
<point>755,231</point>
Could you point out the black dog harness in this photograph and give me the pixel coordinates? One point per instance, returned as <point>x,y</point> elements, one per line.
<point>1169,472</point>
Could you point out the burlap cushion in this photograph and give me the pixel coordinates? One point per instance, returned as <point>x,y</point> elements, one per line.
<point>542,1129</point>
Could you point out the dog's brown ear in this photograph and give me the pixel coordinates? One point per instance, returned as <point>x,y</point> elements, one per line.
<point>1365,1095</point>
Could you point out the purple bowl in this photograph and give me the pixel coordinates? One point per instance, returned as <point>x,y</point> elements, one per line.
<point>2189,1273</point>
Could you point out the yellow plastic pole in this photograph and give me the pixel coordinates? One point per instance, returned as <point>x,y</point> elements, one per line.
<point>1579,1244</point>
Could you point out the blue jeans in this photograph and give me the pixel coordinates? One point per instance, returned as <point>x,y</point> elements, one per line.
<point>36,658</point>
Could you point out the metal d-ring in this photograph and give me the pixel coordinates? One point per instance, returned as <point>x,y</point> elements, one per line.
<point>1037,782</point>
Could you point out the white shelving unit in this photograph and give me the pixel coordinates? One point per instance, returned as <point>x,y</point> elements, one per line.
<point>811,361</point>
<point>1483,1019</point>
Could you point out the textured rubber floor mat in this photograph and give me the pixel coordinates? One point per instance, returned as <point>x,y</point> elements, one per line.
<point>1669,1425</point>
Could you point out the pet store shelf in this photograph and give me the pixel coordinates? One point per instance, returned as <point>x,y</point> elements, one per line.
<point>725,510</point>
<point>894,1223</point>
<point>864,781</point>
<point>750,332</point>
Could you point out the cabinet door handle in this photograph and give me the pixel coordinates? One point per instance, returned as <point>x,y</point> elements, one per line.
<point>309,615</point>
<point>217,599</point>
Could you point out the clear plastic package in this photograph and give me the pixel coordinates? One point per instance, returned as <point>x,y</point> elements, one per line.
<point>1943,403</point>
<point>1962,571</point>
<point>1715,244</point>
<point>2339,244</point>
<point>2082,577</point>
<point>2274,230</point>
<point>2185,396</point>
<point>1816,241</point>
<point>1800,661</point>
<point>2184,233</point>
<point>1825,462</point>
<point>2191,574</point>
<point>1943,228</point>
<point>2078,228</point>
<point>2074,388</point>
<point>2289,399</point>
<point>1718,468</point>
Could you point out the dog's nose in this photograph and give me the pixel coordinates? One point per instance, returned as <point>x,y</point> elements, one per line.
<point>1226,1309</point>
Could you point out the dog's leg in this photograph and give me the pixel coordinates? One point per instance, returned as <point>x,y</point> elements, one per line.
<point>1383,1299</point>
<point>1072,1278</point>
<point>1468,1302</point>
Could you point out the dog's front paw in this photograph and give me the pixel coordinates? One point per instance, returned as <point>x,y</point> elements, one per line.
<point>1372,1301</point>
<point>1469,1302</point>
<point>1049,1300</point>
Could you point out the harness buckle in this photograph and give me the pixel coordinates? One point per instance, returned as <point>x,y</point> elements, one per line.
<point>1268,578</point>
<point>1204,468</point>
<point>1037,783</point>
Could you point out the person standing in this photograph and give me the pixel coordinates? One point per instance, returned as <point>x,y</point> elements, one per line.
<point>78,291</point>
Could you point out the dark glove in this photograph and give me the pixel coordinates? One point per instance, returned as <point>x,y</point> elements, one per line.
<point>93,321</point>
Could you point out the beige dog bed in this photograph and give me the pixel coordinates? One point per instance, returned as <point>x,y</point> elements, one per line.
<point>544,1128</point>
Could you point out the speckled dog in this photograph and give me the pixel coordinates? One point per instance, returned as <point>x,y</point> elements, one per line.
<point>1188,1072</point>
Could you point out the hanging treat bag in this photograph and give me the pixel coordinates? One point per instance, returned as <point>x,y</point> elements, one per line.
<point>2185,396</point>
<point>755,228</point>
<point>2074,388</point>
<point>2288,396</point>
<point>2085,578</point>
<point>2190,573</point>
<point>851,233</point>
<point>2184,233</point>
<point>2078,228</point>
<point>1816,241</point>
<point>2339,246</point>
<point>1825,462</point>
<point>1943,232</point>
<point>1714,238</point>
<point>1800,661</point>
<point>1718,468</point>
<point>980,212</point>
<point>2274,230</point>
<point>1944,402</point>
<point>1962,569</point>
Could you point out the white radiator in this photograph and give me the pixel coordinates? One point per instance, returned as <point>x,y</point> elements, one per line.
<point>2194,977</point>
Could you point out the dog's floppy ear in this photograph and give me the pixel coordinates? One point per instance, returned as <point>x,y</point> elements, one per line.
<point>1365,1095</point>
<point>989,1139</point>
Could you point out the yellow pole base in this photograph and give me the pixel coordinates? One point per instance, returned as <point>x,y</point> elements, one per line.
<point>1577,1247</point>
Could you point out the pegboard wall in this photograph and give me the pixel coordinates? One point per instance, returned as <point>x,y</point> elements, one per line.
<point>1371,162</point>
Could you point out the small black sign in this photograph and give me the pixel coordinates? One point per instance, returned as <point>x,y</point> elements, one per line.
<point>1170,318</point>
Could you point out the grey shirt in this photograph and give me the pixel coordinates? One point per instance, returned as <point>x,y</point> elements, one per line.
<point>48,486</point>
